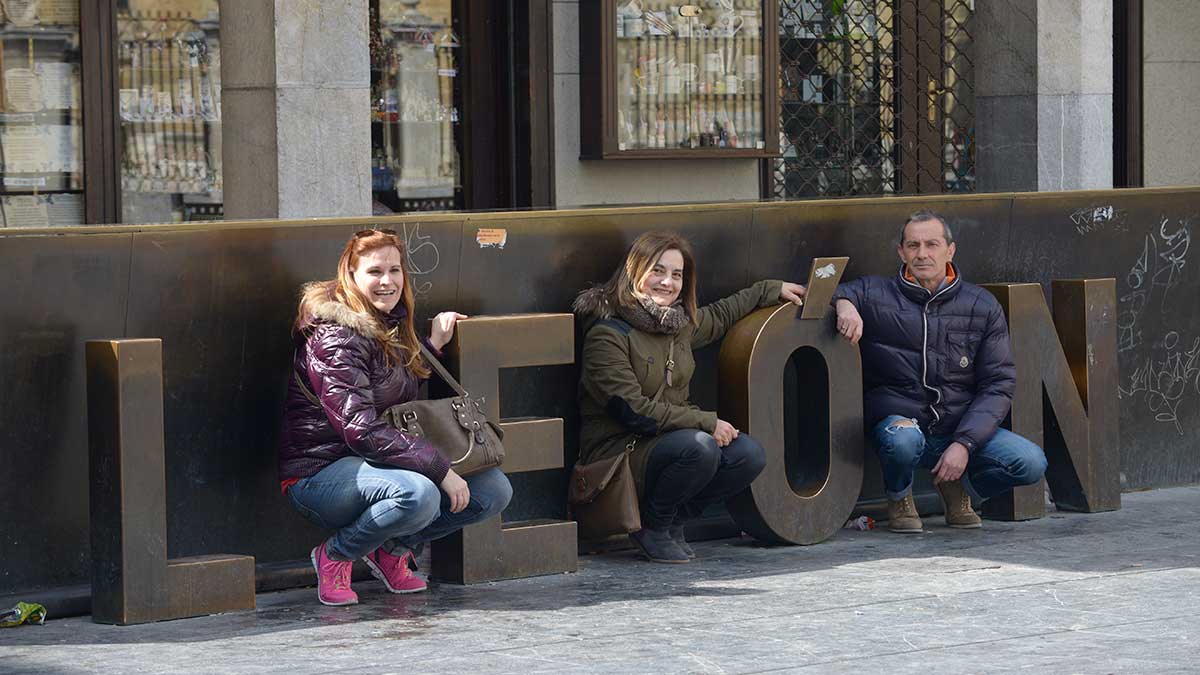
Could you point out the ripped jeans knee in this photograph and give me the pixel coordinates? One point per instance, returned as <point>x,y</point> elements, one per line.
<point>899,440</point>
<point>901,423</point>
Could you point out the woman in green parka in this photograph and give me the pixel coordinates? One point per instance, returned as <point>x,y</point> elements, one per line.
<point>641,327</point>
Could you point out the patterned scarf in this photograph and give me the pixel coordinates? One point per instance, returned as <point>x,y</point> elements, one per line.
<point>650,317</point>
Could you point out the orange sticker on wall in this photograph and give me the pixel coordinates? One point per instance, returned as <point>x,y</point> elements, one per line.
<point>491,237</point>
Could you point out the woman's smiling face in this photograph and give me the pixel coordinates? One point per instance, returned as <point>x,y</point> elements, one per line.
<point>380,277</point>
<point>663,282</point>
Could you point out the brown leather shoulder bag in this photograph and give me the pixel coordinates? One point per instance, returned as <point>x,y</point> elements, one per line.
<point>456,426</point>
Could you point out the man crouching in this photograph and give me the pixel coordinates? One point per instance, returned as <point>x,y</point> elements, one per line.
<point>938,378</point>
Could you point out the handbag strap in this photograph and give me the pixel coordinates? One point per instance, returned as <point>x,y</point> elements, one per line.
<point>437,367</point>
<point>304,388</point>
<point>442,372</point>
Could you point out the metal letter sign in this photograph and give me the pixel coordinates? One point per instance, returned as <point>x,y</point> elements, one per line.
<point>488,551</point>
<point>132,579</point>
<point>790,502</point>
<point>1077,426</point>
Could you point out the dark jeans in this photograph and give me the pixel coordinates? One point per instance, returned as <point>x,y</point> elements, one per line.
<point>687,471</point>
<point>372,505</point>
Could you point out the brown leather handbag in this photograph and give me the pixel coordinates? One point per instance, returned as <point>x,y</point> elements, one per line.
<point>604,498</point>
<point>456,426</point>
<point>603,494</point>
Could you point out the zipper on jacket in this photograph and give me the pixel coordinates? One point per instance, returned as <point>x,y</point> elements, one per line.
<point>925,343</point>
<point>925,363</point>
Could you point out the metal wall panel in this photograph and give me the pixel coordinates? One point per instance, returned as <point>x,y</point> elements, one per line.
<point>1143,238</point>
<point>61,291</point>
<point>221,297</point>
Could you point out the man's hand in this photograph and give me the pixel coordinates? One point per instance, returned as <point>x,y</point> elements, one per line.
<point>849,322</point>
<point>952,463</point>
<point>724,433</point>
<point>793,293</point>
<point>456,489</point>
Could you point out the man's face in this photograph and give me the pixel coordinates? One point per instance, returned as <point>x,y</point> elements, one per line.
<point>925,252</point>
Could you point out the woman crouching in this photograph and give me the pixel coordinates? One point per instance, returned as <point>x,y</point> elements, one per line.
<point>641,327</point>
<point>383,491</point>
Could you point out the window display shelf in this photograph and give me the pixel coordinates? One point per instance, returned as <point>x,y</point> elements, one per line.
<point>665,80</point>
<point>58,33</point>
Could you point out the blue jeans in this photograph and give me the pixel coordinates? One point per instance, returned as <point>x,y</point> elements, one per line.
<point>372,505</point>
<point>1005,462</point>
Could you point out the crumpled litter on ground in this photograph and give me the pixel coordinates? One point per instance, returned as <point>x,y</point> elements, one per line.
<point>860,523</point>
<point>24,612</point>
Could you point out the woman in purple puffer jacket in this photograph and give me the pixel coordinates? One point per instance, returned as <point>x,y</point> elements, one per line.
<point>342,466</point>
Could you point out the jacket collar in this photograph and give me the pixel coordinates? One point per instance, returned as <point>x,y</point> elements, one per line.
<point>919,294</point>
<point>325,309</point>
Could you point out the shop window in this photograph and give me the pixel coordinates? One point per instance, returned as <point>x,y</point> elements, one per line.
<point>415,112</point>
<point>877,97</point>
<point>41,151</point>
<point>169,102</point>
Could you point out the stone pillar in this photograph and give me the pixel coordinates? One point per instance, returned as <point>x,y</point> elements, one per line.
<point>296,108</point>
<point>1171,92</point>
<point>1044,95</point>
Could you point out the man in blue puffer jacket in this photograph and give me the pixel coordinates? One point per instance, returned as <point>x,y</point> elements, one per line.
<point>938,378</point>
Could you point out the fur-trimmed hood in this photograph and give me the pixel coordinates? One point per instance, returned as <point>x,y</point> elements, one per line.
<point>320,306</point>
<point>593,304</point>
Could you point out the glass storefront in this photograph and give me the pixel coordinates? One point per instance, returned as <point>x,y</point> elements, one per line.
<point>41,149</point>
<point>689,79</point>
<point>151,151</point>
<point>169,98</point>
<point>415,112</point>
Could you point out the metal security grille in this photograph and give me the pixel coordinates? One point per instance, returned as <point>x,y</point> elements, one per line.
<point>876,98</point>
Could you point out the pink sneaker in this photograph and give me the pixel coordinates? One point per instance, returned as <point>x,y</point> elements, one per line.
<point>333,579</point>
<point>394,572</point>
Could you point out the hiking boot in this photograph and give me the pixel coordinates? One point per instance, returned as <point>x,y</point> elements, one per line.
<point>394,572</point>
<point>658,546</point>
<point>958,506</point>
<point>333,578</point>
<point>902,516</point>
<point>676,532</point>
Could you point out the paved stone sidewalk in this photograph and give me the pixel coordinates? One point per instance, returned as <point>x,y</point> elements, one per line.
<point>1070,593</point>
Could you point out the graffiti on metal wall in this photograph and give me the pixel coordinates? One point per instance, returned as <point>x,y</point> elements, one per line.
<point>1168,376</point>
<point>1099,219</point>
<point>423,257</point>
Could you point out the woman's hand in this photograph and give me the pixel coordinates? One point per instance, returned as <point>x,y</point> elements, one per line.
<point>456,489</point>
<point>443,328</point>
<point>793,293</point>
<point>724,433</point>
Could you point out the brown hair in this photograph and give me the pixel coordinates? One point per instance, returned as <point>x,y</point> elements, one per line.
<point>400,344</point>
<point>640,259</point>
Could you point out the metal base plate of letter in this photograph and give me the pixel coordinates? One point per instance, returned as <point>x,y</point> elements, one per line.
<point>753,359</point>
<point>132,579</point>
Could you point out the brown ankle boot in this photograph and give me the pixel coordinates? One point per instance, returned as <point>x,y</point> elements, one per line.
<point>958,506</point>
<point>902,516</point>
